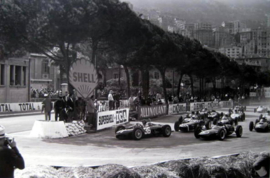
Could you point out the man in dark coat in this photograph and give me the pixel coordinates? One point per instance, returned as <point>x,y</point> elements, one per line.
<point>59,106</point>
<point>10,158</point>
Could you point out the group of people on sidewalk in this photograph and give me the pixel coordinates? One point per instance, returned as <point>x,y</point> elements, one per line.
<point>68,108</point>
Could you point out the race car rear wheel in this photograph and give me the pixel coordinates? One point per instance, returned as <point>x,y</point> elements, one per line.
<point>176,126</point>
<point>197,132</point>
<point>239,131</point>
<point>221,134</point>
<point>120,127</point>
<point>180,120</point>
<point>137,134</point>
<point>166,130</point>
<point>251,126</point>
<point>208,125</point>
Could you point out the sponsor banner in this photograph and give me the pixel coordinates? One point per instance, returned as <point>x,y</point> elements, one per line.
<point>153,111</point>
<point>267,92</point>
<point>104,105</point>
<point>20,107</point>
<point>226,104</point>
<point>253,94</point>
<point>201,105</point>
<point>111,118</point>
<point>177,108</point>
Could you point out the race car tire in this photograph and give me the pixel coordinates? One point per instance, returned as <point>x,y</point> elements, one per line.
<point>236,121</point>
<point>120,127</point>
<point>251,126</point>
<point>208,125</point>
<point>221,134</point>
<point>180,120</point>
<point>239,131</point>
<point>215,121</point>
<point>176,126</point>
<point>137,134</point>
<point>244,117</point>
<point>256,121</point>
<point>197,131</point>
<point>166,131</point>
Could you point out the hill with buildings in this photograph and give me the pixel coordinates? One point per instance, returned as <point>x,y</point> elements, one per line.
<point>251,12</point>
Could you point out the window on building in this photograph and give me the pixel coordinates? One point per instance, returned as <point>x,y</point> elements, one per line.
<point>45,67</point>
<point>2,73</point>
<point>17,75</point>
<point>156,75</point>
<point>115,76</point>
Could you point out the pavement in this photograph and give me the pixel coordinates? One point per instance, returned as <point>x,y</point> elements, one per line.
<point>100,148</point>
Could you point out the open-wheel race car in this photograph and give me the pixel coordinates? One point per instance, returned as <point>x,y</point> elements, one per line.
<point>261,109</point>
<point>214,116</point>
<point>190,123</point>
<point>221,130</point>
<point>139,130</point>
<point>238,115</point>
<point>261,125</point>
<point>240,108</point>
<point>203,112</point>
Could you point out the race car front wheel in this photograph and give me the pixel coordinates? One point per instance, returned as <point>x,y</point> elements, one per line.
<point>137,134</point>
<point>166,131</point>
<point>176,126</point>
<point>239,131</point>
<point>251,126</point>
<point>197,132</point>
<point>221,134</point>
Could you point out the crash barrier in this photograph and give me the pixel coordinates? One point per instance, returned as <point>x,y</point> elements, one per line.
<point>104,105</point>
<point>20,107</point>
<point>177,108</point>
<point>152,111</point>
<point>48,129</point>
<point>59,129</point>
<point>200,105</point>
<point>112,118</point>
<point>226,104</point>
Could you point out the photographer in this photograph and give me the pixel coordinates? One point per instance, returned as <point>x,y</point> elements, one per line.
<point>10,158</point>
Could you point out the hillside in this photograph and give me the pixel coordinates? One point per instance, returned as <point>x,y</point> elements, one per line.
<point>251,12</point>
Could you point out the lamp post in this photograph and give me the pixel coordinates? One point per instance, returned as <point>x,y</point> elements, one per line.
<point>29,79</point>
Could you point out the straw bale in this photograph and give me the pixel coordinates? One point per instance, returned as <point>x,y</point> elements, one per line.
<point>115,171</point>
<point>181,167</point>
<point>155,172</point>
<point>37,171</point>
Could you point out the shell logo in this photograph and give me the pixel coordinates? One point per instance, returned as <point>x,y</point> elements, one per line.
<point>83,77</point>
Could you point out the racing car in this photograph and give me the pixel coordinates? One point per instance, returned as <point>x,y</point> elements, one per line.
<point>139,130</point>
<point>261,125</point>
<point>214,116</point>
<point>190,123</point>
<point>238,115</point>
<point>261,109</point>
<point>203,112</point>
<point>221,130</point>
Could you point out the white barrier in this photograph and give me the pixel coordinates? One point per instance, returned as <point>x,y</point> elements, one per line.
<point>226,104</point>
<point>20,107</point>
<point>177,108</point>
<point>47,129</point>
<point>153,111</point>
<point>111,118</point>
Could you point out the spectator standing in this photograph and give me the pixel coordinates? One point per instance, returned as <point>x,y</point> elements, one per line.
<point>47,107</point>
<point>90,109</point>
<point>10,157</point>
<point>111,100</point>
<point>80,105</point>
<point>59,105</point>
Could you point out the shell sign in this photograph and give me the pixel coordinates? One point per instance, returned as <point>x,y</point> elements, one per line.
<point>83,77</point>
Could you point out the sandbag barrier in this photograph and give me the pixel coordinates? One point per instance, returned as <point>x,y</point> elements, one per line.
<point>232,166</point>
<point>75,128</point>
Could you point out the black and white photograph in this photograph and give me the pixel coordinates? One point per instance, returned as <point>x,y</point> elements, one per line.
<point>134,88</point>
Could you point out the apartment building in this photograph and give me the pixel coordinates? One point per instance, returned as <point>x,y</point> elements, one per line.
<point>232,52</point>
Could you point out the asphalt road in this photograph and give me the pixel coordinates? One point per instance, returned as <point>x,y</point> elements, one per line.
<point>103,148</point>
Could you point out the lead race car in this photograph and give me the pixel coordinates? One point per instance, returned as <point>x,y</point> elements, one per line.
<point>261,125</point>
<point>237,114</point>
<point>221,130</point>
<point>139,130</point>
<point>261,109</point>
<point>190,123</point>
